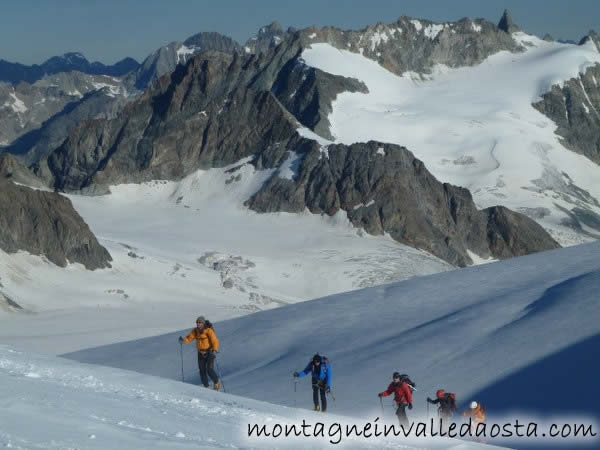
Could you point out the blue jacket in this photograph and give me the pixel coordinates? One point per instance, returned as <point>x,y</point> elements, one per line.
<point>323,372</point>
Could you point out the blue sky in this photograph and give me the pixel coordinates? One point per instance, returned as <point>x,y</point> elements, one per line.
<point>31,31</point>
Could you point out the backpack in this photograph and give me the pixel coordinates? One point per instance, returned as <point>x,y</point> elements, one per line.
<point>324,362</point>
<point>408,381</point>
<point>452,398</point>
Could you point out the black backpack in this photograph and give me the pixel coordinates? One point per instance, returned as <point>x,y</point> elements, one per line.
<point>408,381</point>
<point>451,400</point>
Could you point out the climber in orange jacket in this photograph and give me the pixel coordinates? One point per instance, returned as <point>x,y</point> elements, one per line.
<point>207,344</point>
<point>476,413</point>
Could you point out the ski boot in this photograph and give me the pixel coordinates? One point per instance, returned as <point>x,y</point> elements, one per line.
<point>217,386</point>
<point>317,408</point>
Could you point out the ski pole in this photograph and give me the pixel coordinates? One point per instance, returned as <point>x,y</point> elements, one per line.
<point>295,384</point>
<point>428,411</point>
<point>181,353</point>
<point>331,393</point>
<point>381,401</point>
<point>219,374</point>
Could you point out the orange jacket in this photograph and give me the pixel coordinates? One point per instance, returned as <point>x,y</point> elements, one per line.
<point>205,339</point>
<point>478,414</point>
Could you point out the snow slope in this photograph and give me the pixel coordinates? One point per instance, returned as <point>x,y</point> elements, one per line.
<point>499,333</point>
<point>475,126</point>
<point>49,402</point>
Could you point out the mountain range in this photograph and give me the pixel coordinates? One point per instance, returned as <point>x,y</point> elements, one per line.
<point>209,102</point>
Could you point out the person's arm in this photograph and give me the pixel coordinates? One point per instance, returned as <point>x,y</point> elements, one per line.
<point>305,371</point>
<point>190,337</point>
<point>387,392</point>
<point>407,393</point>
<point>212,338</point>
<point>433,402</point>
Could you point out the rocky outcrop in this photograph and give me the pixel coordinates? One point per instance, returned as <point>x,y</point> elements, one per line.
<point>385,189</point>
<point>575,109</point>
<point>506,23</point>
<point>217,42</point>
<point>267,38</point>
<point>510,233</point>
<point>11,168</point>
<point>591,36</point>
<point>7,304</point>
<point>45,223</point>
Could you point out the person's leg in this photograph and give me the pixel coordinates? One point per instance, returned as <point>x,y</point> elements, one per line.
<point>202,360</point>
<point>401,413</point>
<point>323,399</point>
<point>315,388</point>
<point>210,368</point>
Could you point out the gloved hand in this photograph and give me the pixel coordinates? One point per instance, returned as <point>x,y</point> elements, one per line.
<point>410,406</point>
<point>295,374</point>
<point>429,400</point>
<point>380,395</point>
<point>327,389</point>
<point>181,339</point>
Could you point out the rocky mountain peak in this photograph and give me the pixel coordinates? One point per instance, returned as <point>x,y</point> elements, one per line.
<point>506,23</point>
<point>591,36</point>
<point>273,28</point>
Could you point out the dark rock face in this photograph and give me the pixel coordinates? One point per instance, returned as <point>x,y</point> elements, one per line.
<point>202,115</point>
<point>575,108</point>
<point>308,93</point>
<point>165,59</point>
<point>506,23</point>
<point>267,38</point>
<point>11,168</point>
<point>206,41</point>
<point>510,233</point>
<point>45,223</point>
<point>592,36</point>
<point>384,188</point>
